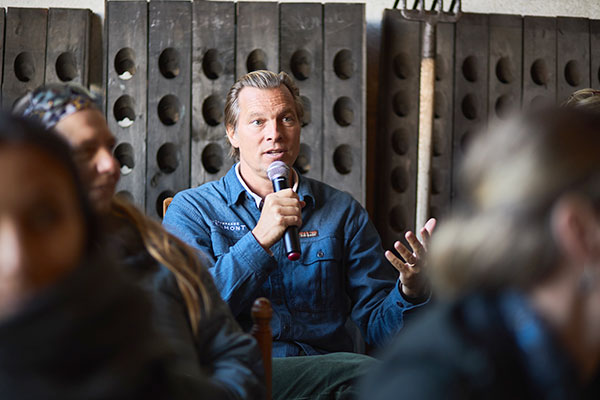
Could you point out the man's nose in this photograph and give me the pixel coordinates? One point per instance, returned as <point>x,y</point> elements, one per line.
<point>106,162</point>
<point>273,131</point>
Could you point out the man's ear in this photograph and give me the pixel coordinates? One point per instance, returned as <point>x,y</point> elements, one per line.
<point>575,228</point>
<point>232,136</point>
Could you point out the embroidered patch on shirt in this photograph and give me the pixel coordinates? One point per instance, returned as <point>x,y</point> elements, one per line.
<point>308,234</point>
<point>230,226</point>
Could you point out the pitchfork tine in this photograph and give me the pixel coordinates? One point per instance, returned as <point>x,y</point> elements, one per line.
<point>454,4</point>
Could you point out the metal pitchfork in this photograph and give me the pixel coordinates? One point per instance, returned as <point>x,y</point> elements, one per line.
<point>427,91</point>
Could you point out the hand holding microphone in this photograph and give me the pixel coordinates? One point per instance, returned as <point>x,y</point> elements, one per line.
<point>281,213</point>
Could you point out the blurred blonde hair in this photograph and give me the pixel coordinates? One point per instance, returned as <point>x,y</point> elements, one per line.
<point>512,177</point>
<point>170,251</point>
<point>587,99</point>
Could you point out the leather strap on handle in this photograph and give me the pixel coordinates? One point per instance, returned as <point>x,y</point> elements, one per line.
<point>426,103</point>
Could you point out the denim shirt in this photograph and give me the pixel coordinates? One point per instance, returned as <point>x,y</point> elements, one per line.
<point>341,273</point>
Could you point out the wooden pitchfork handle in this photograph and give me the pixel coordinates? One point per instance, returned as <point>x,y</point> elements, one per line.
<point>427,92</point>
<point>426,104</point>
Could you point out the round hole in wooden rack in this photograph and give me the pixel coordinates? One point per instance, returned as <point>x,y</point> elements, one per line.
<point>256,60</point>
<point>168,63</point>
<point>504,70</point>
<point>469,69</point>
<point>211,64</point>
<point>126,158</point>
<point>399,179</point>
<point>169,110</point>
<point>301,64</point>
<point>573,73</point>
<point>167,158</point>
<point>24,66</point>
<point>66,67</point>
<point>125,63</point>
<point>343,64</point>
<point>469,107</point>
<point>124,111</point>
<point>212,158</point>
<point>212,110</point>
<point>343,111</point>
<point>342,159</point>
<point>539,72</point>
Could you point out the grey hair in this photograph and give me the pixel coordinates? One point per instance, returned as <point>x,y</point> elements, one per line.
<point>261,79</point>
<point>588,99</point>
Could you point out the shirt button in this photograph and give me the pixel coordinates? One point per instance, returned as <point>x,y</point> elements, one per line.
<point>320,254</point>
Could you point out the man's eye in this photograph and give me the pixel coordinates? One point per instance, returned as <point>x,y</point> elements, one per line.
<point>256,122</point>
<point>289,119</point>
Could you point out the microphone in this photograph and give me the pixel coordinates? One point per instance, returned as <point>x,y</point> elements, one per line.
<point>278,172</point>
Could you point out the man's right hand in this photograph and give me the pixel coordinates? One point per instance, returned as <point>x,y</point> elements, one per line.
<point>280,210</point>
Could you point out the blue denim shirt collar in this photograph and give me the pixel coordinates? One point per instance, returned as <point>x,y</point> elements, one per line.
<point>235,189</point>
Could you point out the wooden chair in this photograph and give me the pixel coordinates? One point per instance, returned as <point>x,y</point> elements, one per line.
<point>261,328</point>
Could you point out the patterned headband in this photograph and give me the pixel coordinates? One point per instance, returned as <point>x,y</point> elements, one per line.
<point>51,103</point>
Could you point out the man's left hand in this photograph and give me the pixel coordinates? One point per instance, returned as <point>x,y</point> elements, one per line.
<point>412,264</point>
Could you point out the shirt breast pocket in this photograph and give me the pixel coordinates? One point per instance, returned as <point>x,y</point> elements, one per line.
<point>316,278</point>
<point>221,241</point>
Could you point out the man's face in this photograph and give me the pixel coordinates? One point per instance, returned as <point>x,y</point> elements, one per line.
<point>268,130</point>
<point>92,142</point>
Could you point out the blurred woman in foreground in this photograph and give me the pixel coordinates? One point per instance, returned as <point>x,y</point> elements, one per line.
<point>215,358</point>
<point>518,271</point>
<point>70,328</point>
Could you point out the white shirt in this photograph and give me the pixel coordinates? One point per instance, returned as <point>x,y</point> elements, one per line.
<point>257,198</point>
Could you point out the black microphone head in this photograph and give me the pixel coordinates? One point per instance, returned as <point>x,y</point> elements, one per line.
<point>278,169</point>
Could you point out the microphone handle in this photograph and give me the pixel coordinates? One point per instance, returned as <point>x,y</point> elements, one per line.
<point>291,239</point>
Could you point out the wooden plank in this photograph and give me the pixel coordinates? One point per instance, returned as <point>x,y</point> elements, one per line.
<point>471,85</point>
<point>257,40</point>
<point>505,60</point>
<point>572,56</point>
<point>213,72</point>
<point>595,53</point>
<point>539,61</point>
<point>441,161</point>
<point>301,56</point>
<point>169,94</point>
<point>397,127</point>
<point>67,51</point>
<point>344,157</point>
<point>24,52</point>
<point>126,93</point>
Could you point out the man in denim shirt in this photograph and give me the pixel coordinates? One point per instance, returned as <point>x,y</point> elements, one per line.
<point>238,221</point>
